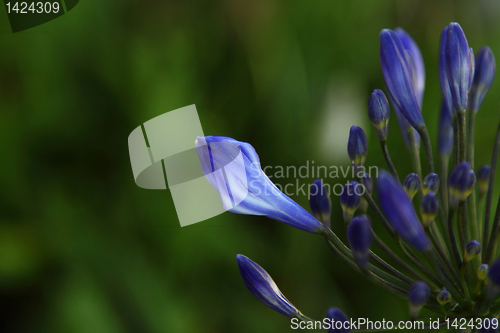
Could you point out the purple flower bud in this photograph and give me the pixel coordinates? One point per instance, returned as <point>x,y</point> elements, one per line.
<point>431,183</point>
<point>350,199</point>
<point>444,296</point>
<point>483,77</point>
<point>472,250</point>
<point>400,212</point>
<point>398,76</point>
<point>378,112</point>
<point>262,286</point>
<point>459,183</point>
<point>429,208</point>
<point>483,178</point>
<point>411,185</point>
<point>418,295</point>
<point>357,146</point>
<point>443,77</point>
<point>482,272</point>
<point>339,323</point>
<point>359,235</point>
<point>459,65</point>
<point>416,63</point>
<point>319,200</point>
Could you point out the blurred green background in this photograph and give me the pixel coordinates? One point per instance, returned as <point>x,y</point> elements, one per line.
<point>83,249</point>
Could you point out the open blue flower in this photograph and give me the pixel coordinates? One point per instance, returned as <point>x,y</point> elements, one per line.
<point>233,168</point>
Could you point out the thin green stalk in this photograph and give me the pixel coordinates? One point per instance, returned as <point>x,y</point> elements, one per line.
<point>337,246</point>
<point>471,200</point>
<point>385,152</point>
<point>453,238</point>
<point>426,141</point>
<point>461,128</point>
<point>456,139</point>
<point>480,211</point>
<point>396,258</point>
<point>415,152</point>
<point>444,183</point>
<point>414,259</point>
<point>489,195</point>
<point>464,284</point>
<point>379,213</point>
<point>431,257</point>
<point>444,259</point>
<point>494,234</point>
<point>303,317</point>
<point>461,226</point>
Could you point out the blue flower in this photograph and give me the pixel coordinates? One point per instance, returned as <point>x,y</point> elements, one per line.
<point>357,146</point>
<point>378,112</point>
<point>233,168</point>
<point>483,178</point>
<point>400,212</point>
<point>417,296</point>
<point>350,199</point>
<point>431,183</point>
<point>398,77</point>
<point>319,200</point>
<point>262,286</point>
<point>411,185</point>
<point>429,208</point>
<point>359,235</point>
<point>416,63</point>
<point>336,316</point>
<point>444,296</point>
<point>445,133</point>
<point>443,78</point>
<point>483,77</point>
<point>472,250</point>
<point>459,65</point>
<point>459,184</point>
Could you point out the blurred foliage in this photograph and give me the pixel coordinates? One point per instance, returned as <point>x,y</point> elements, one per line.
<point>83,249</point>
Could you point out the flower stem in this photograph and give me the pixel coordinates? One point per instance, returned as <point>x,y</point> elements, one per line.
<point>461,226</point>
<point>489,195</point>
<point>426,140</point>
<point>415,152</point>
<point>453,238</point>
<point>444,259</point>
<point>461,128</point>
<point>471,201</point>
<point>385,152</point>
<point>431,257</point>
<point>396,258</point>
<point>456,139</point>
